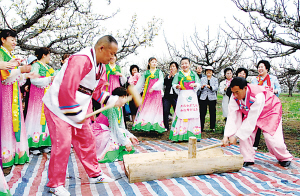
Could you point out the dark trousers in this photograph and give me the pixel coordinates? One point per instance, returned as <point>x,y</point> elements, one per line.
<point>26,98</point>
<point>96,105</point>
<point>167,102</point>
<point>212,112</point>
<point>257,138</point>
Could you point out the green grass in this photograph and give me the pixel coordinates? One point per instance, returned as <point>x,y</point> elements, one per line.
<point>290,107</point>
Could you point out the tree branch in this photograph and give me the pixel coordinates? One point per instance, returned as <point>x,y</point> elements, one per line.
<point>4,19</point>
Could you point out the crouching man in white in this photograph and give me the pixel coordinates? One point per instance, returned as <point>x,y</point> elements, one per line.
<point>66,104</point>
<point>252,106</point>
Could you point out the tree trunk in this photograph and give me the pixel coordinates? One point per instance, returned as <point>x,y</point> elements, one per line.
<point>290,92</point>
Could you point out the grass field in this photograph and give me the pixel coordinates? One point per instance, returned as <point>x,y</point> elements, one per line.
<point>290,107</point>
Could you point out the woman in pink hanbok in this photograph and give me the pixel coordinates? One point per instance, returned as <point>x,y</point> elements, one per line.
<point>113,140</point>
<point>36,126</point>
<point>4,189</point>
<point>14,144</point>
<point>149,116</point>
<point>114,75</point>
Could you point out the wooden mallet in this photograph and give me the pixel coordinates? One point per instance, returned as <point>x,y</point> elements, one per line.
<point>192,152</point>
<point>210,146</point>
<point>129,98</point>
<point>135,95</point>
<point>99,110</point>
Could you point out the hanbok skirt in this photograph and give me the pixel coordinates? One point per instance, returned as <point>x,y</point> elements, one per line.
<point>183,128</point>
<point>4,189</point>
<point>149,116</point>
<point>225,102</point>
<point>107,148</point>
<point>37,134</point>
<point>13,152</point>
<point>114,82</point>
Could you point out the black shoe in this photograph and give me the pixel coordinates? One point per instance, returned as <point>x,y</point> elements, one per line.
<point>247,164</point>
<point>284,163</point>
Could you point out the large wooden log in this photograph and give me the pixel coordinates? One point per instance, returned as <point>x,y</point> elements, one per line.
<point>173,164</point>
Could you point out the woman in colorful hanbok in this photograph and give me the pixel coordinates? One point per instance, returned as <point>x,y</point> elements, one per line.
<point>186,121</point>
<point>36,126</point>
<point>113,140</point>
<point>14,143</point>
<point>4,189</point>
<point>114,75</point>
<point>150,114</point>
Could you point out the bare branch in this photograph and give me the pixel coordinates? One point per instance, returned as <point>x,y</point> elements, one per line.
<point>4,18</point>
<point>269,22</point>
<point>218,52</point>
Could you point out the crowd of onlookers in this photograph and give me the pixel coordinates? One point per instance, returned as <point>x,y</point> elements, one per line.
<point>207,97</point>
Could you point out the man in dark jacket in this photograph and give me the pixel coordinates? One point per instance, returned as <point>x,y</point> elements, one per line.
<point>170,97</point>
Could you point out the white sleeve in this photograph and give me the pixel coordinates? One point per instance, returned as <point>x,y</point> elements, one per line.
<point>222,87</point>
<point>128,134</point>
<point>22,79</point>
<point>234,118</point>
<point>112,100</point>
<point>249,123</point>
<point>197,82</point>
<point>41,82</point>
<point>123,80</point>
<point>159,83</point>
<point>15,75</point>
<point>174,84</point>
<point>140,84</point>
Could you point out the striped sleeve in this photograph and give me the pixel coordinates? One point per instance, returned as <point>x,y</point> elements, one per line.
<point>78,67</point>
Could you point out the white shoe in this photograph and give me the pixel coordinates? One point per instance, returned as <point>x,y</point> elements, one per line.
<point>60,191</point>
<point>255,148</point>
<point>101,179</point>
<point>47,150</point>
<point>36,152</point>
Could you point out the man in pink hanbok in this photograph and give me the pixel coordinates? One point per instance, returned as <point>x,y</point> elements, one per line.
<point>252,107</point>
<point>67,102</point>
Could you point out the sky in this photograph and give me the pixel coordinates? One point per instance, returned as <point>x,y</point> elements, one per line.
<point>180,19</point>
